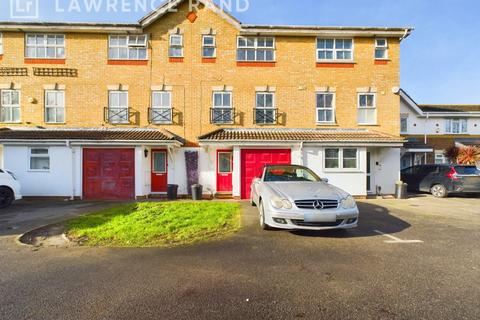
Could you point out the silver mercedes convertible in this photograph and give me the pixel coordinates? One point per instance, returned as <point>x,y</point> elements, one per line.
<point>294,197</point>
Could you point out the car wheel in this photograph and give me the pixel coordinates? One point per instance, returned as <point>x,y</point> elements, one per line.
<point>263,225</point>
<point>6,197</point>
<point>439,191</point>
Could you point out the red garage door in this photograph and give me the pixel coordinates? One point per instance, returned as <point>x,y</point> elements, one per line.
<point>108,174</point>
<point>253,162</point>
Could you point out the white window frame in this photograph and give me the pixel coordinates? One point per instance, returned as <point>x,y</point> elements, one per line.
<point>163,107</point>
<point>383,48</point>
<point>10,106</point>
<point>404,119</point>
<point>31,155</point>
<point>440,155</point>
<point>132,42</point>
<point>334,50</point>
<point>341,159</point>
<point>363,108</point>
<point>256,48</point>
<point>223,109</point>
<point>118,107</point>
<point>223,94</point>
<point>175,45</point>
<point>55,107</point>
<point>462,125</point>
<point>1,43</point>
<point>45,44</point>
<point>324,108</point>
<point>209,46</point>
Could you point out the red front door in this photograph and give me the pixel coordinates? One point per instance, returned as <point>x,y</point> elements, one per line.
<point>108,174</point>
<point>159,171</point>
<point>224,171</point>
<point>253,162</point>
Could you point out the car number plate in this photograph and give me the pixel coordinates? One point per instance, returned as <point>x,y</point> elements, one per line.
<point>320,217</point>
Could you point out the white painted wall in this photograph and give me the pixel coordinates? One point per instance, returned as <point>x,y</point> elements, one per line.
<point>386,168</point>
<point>352,181</point>
<point>433,125</point>
<point>61,180</point>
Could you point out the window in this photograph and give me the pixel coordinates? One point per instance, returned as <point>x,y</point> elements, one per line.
<point>341,158</point>
<point>325,107</point>
<point>367,110</point>
<point>54,106</point>
<point>1,43</point>
<point>334,49</point>
<point>256,49</point>
<point>118,107</point>
<point>222,111</point>
<point>208,47</point>
<point>176,46</point>
<point>39,159</point>
<point>41,46</point>
<point>10,106</point>
<point>225,161</point>
<point>404,124</point>
<point>381,49</point>
<point>127,47</point>
<point>265,112</point>
<point>440,157</point>
<point>456,126</point>
<point>161,107</point>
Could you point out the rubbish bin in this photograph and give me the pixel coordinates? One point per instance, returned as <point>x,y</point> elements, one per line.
<point>172,192</point>
<point>401,190</point>
<point>197,192</point>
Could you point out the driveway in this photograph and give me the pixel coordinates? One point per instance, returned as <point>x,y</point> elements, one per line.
<point>412,259</point>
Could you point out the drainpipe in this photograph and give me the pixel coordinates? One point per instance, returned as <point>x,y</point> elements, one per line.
<point>425,136</point>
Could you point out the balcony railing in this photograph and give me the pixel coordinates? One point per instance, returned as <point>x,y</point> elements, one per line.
<point>115,115</point>
<point>160,115</point>
<point>265,115</point>
<point>222,115</point>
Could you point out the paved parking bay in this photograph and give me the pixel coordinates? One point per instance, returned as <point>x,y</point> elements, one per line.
<point>409,259</point>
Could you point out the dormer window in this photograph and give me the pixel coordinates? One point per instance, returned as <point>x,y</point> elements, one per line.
<point>132,47</point>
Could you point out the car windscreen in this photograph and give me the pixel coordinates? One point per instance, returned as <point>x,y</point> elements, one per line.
<point>290,174</point>
<point>467,170</point>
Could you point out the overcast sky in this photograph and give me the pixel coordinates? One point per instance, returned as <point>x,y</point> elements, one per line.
<point>440,62</point>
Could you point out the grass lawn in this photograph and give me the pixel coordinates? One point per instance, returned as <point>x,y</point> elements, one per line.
<point>156,224</point>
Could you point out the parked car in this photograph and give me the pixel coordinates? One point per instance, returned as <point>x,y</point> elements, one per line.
<point>9,188</point>
<point>441,180</point>
<point>294,197</point>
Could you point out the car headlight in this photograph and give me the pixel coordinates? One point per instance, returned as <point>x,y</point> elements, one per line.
<point>348,203</point>
<point>281,203</point>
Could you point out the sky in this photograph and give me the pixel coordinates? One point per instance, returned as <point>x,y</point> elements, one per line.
<point>440,61</point>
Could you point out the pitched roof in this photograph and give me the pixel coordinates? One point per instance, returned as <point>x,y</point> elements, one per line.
<point>153,135</point>
<point>293,135</point>
<point>449,108</point>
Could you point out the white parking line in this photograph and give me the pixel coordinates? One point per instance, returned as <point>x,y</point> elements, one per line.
<point>395,239</point>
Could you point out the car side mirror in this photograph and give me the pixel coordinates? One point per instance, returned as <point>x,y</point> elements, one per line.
<point>325,180</point>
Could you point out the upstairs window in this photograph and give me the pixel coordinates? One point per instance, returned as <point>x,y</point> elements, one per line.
<point>260,49</point>
<point>381,49</point>
<point>10,106</point>
<point>161,112</point>
<point>265,111</point>
<point>334,49</point>
<point>127,47</point>
<point>367,109</point>
<point>325,107</point>
<point>39,159</point>
<point>54,106</point>
<point>404,124</point>
<point>456,126</point>
<point>45,46</point>
<point>176,46</point>
<point>208,47</point>
<point>222,110</point>
<point>118,107</point>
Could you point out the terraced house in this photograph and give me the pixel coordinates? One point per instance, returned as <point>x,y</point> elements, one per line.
<point>108,111</point>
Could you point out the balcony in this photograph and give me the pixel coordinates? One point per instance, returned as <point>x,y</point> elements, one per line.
<point>222,115</point>
<point>160,115</point>
<point>265,116</point>
<point>117,115</point>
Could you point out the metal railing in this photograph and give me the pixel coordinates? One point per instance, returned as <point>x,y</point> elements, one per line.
<point>117,115</point>
<point>160,115</point>
<point>265,115</point>
<point>222,115</point>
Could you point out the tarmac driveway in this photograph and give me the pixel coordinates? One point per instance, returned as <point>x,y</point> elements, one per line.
<point>417,258</point>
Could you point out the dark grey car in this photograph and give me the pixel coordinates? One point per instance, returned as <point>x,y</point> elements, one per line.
<point>440,180</point>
